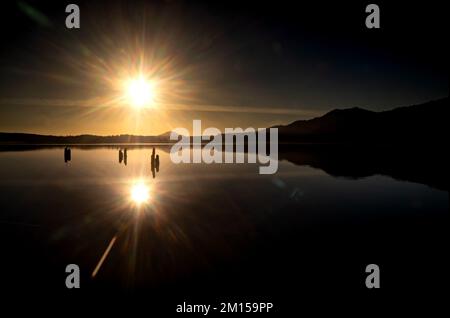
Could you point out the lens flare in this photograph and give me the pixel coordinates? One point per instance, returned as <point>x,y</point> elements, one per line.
<point>140,193</point>
<point>140,92</point>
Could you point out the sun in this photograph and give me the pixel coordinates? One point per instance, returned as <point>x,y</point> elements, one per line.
<point>140,193</point>
<point>140,92</point>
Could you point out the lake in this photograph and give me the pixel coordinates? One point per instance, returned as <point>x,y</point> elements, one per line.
<point>219,228</point>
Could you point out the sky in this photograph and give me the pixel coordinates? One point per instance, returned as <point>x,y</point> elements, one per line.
<point>230,64</point>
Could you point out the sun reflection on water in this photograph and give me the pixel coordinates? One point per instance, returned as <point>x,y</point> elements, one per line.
<point>140,193</point>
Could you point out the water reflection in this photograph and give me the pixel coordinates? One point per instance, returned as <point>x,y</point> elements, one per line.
<point>425,165</point>
<point>216,226</point>
<point>140,192</point>
<point>123,157</point>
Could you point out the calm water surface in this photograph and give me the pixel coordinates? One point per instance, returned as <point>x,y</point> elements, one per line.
<point>215,228</point>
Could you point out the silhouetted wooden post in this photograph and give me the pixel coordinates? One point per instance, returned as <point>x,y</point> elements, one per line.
<point>67,154</point>
<point>152,162</point>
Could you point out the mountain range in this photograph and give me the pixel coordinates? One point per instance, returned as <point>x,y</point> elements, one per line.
<point>426,122</point>
<point>423,123</point>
